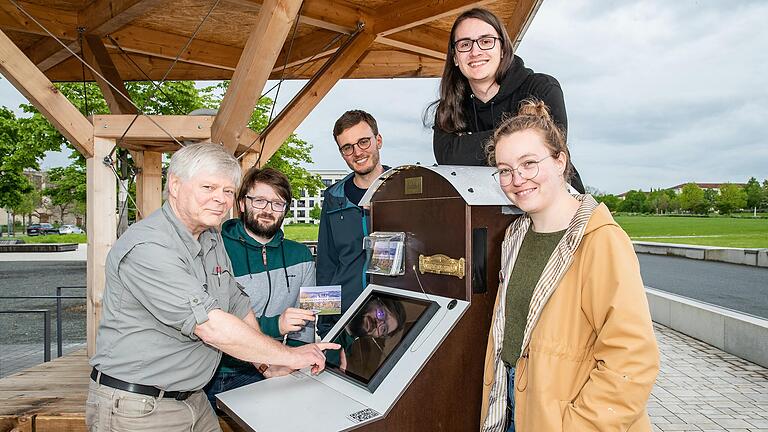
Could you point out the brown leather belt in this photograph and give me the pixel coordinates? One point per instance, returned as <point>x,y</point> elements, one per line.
<point>137,388</point>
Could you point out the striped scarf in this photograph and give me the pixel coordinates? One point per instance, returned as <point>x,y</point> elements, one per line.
<point>553,272</point>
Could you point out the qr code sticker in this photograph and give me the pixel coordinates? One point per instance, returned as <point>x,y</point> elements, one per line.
<point>363,415</point>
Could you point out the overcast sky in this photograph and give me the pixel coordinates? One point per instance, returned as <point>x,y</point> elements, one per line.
<point>657,92</point>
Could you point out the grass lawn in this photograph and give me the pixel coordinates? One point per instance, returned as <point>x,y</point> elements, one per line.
<point>301,232</point>
<point>54,238</point>
<point>712,231</point>
<point>298,232</point>
<point>740,232</point>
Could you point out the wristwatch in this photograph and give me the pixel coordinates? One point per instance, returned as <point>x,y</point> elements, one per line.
<point>263,368</point>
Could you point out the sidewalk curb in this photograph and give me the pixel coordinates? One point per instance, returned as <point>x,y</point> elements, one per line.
<point>750,257</point>
<point>743,335</point>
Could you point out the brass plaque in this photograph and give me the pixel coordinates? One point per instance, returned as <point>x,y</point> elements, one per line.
<point>441,264</point>
<point>413,185</point>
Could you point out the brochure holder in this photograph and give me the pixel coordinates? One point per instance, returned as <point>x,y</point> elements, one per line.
<point>385,251</point>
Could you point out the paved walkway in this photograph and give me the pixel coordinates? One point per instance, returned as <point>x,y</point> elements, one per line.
<point>81,254</point>
<point>701,388</point>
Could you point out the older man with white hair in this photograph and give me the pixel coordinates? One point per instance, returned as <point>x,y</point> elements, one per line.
<point>171,307</point>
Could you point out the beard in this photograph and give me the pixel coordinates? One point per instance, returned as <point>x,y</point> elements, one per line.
<point>261,228</point>
<point>363,324</point>
<point>357,326</point>
<point>373,162</point>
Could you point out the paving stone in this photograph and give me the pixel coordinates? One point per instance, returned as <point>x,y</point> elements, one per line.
<point>705,389</point>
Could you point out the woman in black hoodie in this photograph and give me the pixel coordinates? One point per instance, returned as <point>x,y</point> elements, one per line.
<point>482,81</point>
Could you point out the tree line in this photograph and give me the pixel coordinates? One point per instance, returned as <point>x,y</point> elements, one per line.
<point>692,199</point>
<point>25,139</point>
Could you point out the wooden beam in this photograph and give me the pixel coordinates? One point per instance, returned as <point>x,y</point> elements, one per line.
<point>522,16</point>
<point>313,92</point>
<point>249,160</point>
<point>102,230</point>
<point>149,182</point>
<point>312,46</point>
<point>424,40</point>
<point>62,23</point>
<point>71,70</point>
<point>115,94</point>
<point>48,52</point>
<point>332,14</point>
<point>132,39</point>
<point>17,68</point>
<point>100,18</point>
<point>261,50</point>
<point>335,15</point>
<point>105,16</point>
<point>396,64</point>
<point>146,127</point>
<point>140,40</point>
<point>405,14</point>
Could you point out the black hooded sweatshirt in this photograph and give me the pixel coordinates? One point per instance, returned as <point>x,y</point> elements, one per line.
<point>467,147</point>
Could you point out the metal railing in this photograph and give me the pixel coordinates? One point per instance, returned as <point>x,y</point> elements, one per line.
<point>47,317</point>
<point>59,333</point>
<point>46,327</point>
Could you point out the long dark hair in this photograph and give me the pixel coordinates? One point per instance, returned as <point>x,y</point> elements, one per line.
<point>454,87</point>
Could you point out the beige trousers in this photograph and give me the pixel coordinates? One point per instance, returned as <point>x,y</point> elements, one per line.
<point>108,409</point>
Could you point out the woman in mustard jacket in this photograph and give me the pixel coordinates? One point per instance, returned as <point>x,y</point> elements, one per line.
<point>571,346</point>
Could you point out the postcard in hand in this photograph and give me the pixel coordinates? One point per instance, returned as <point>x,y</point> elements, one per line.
<point>323,300</point>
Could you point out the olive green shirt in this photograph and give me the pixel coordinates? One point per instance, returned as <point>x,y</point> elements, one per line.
<point>531,260</point>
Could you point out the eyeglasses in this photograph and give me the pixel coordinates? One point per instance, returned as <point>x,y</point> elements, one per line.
<point>381,319</point>
<point>362,144</point>
<point>261,203</point>
<point>527,170</point>
<point>485,43</point>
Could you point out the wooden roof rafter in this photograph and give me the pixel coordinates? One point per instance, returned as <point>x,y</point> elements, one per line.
<point>405,43</point>
<point>403,25</point>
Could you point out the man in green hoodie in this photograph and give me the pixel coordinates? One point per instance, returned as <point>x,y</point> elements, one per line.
<point>270,268</point>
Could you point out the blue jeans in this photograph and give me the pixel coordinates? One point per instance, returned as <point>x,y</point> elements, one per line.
<point>511,399</point>
<point>228,380</point>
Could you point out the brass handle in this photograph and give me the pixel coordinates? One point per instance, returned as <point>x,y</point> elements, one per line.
<point>442,264</point>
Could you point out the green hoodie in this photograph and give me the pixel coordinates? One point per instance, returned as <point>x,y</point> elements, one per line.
<point>271,275</point>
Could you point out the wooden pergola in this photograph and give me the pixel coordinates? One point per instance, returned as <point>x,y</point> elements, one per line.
<point>245,41</point>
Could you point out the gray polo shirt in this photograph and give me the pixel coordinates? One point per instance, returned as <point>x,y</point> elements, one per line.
<point>160,284</point>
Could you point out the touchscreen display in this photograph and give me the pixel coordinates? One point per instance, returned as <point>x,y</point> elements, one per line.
<point>376,335</point>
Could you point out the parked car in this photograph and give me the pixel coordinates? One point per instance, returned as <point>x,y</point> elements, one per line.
<point>41,229</point>
<point>70,229</point>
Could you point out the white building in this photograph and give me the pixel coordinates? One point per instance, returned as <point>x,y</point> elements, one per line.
<point>301,207</point>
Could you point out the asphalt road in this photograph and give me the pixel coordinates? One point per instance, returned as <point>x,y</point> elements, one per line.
<point>29,278</point>
<point>739,287</point>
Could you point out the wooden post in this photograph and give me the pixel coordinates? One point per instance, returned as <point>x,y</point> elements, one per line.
<point>252,71</point>
<point>149,182</point>
<point>249,160</point>
<point>101,228</point>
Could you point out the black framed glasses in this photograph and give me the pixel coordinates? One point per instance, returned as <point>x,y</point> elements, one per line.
<point>485,43</point>
<point>261,203</point>
<point>527,170</point>
<point>362,144</point>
